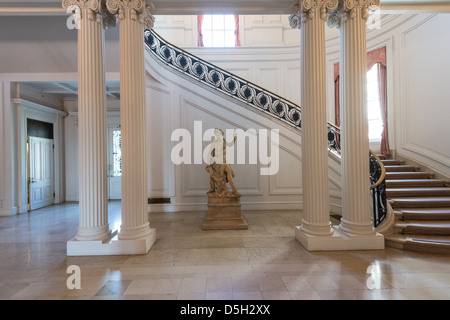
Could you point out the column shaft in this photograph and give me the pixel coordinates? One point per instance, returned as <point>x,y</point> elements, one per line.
<point>135,223</point>
<point>93,214</point>
<point>356,212</point>
<point>316,214</point>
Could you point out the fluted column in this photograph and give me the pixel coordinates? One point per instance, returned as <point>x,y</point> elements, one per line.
<point>356,210</point>
<point>310,18</point>
<point>93,207</point>
<point>132,16</point>
<point>316,211</point>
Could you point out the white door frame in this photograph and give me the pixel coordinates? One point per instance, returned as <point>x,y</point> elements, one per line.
<point>29,110</point>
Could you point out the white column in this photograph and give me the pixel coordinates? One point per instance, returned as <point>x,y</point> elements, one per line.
<point>132,17</point>
<point>356,210</point>
<point>316,213</point>
<point>356,229</point>
<point>93,206</point>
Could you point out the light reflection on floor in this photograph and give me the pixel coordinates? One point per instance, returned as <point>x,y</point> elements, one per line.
<point>263,262</point>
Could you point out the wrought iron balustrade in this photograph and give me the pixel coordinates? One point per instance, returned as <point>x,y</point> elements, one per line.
<point>377,189</point>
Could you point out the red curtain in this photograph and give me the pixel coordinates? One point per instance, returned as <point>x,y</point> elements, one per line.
<point>236,31</point>
<point>376,56</point>
<point>384,148</point>
<point>337,104</point>
<point>199,30</point>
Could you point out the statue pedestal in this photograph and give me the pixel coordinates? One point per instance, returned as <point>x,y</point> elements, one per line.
<point>224,213</point>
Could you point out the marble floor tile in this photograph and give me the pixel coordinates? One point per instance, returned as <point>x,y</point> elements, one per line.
<point>265,262</point>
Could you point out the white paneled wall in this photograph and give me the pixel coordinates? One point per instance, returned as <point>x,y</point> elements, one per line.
<point>423,135</point>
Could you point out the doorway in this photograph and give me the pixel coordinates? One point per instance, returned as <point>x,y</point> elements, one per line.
<point>40,164</point>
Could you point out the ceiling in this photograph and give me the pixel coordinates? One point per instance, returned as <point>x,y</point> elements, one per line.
<point>187,7</point>
<point>69,89</point>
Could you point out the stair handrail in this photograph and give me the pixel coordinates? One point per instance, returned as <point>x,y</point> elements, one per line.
<point>255,96</point>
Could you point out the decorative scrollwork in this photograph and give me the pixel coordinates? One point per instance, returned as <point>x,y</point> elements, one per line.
<point>347,9</point>
<point>378,189</point>
<point>308,9</point>
<point>223,81</point>
<point>93,8</point>
<point>295,18</point>
<point>334,138</point>
<point>136,10</point>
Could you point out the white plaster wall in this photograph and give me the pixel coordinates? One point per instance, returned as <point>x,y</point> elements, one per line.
<point>423,113</point>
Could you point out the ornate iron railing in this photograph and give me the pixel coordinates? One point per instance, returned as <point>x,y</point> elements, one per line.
<point>223,81</point>
<point>246,92</point>
<point>378,189</point>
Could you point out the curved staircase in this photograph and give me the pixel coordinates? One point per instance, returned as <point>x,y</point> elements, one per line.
<point>421,205</point>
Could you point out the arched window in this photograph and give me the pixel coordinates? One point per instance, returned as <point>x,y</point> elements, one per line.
<point>218,31</point>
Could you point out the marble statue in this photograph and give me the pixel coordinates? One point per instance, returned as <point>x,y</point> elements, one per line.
<point>220,172</point>
<point>224,207</point>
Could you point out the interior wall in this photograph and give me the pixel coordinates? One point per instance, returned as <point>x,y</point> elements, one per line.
<point>423,113</point>
<point>52,44</point>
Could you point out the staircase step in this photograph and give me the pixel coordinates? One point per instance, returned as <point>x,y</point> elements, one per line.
<point>427,246</point>
<point>420,202</point>
<point>425,214</point>
<point>417,192</point>
<point>417,227</point>
<point>395,240</point>
<point>390,162</point>
<point>406,183</point>
<point>401,168</point>
<point>408,175</point>
<point>419,243</point>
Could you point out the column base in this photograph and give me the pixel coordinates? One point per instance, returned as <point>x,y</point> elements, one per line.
<point>94,234</point>
<point>339,241</point>
<point>112,246</point>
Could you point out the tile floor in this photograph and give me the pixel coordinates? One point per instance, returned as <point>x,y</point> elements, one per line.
<point>263,262</point>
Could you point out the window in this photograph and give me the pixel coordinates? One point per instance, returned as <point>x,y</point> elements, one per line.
<point>373,104</point>
<point>218,30</point>
<point>376,98</point>
<point>117,154</point>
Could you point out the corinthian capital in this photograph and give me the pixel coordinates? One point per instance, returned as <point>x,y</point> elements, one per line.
<point>347,9</point>
<point>94,8</point>
<point>308,9</point>
<point>136,10</point>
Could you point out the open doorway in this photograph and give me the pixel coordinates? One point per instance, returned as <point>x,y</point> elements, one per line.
<point>40,164</point>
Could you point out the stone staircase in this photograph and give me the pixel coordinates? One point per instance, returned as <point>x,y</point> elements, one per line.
<point>421,205</point>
